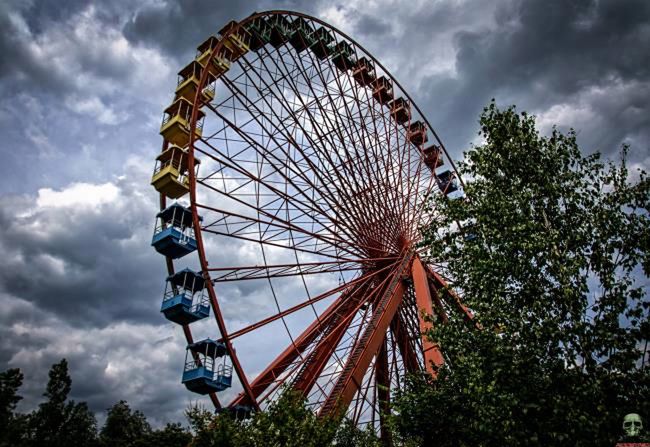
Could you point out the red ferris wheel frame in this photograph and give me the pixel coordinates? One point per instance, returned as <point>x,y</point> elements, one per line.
<point>393,272</point>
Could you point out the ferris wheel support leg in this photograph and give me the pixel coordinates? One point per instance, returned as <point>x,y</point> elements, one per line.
<point>409,356</point>
<point>439,283</point>
<point>351,377</point>
<point>383,392</point>
<point>432,355</point>
<point>314,365</point>
<point>282,362</point>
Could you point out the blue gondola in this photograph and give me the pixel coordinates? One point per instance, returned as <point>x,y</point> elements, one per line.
<point>173,234</point>
<point>184,301</point>
<point>447,182</point>
<point>202,374</point>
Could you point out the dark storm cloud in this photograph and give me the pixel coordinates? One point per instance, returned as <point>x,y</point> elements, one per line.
<point>542,54</point>
<point>17,59</point>
<point>178,26</point>
<point>26,29</point>
<point>90,265</point>
<point>137,362</point>
<point>372,26</point>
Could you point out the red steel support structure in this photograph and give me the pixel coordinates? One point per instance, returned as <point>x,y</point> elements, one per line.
<point>307,210</point>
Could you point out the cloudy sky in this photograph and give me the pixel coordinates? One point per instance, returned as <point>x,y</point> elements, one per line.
<point>82,87</point>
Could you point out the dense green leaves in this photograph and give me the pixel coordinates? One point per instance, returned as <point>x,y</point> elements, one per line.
<point>287,422</point>
<point>124,427</point>
<point>550,251</point>
<point>60,422</point>
<point>11,424</point>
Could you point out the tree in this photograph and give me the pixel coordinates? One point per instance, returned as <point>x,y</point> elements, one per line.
<point>289,422</point>
<point>222,430</point>
<point>11,424</point>
<point>172,435</point>
<point>349,435</point>
<point>59,422</point>
<point>286,422</point>
<point>549,249</point>
<point>123,427</point>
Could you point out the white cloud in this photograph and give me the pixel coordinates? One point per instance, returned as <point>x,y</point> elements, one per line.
<point>77,194</point>
<point>94,107</point>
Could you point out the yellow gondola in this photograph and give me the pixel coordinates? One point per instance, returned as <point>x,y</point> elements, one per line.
<point>220,63</point>
<point>175,126</point>
<point>188,82</point>
<point>171,175</point>
<point>238,42</point>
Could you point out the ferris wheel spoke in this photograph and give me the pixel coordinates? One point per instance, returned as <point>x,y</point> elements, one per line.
<point>314,146</point>
<point>336,318</point>
<point>322,252</point>
<point>360,127</point>
<point>278,224</point>
<point>320,137</point>
<point>314,206</point>
<point>350,164</point>
<point>395,369</point>
<point>382,378</point>
<point>403,341</point>
<point>365,399</point>
<point>299,345</point>
<point>353,283</point>
<point>281,270</point>
<point>277,192</point>
<point>388,194</point>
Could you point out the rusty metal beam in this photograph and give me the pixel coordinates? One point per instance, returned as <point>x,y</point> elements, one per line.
<point>439,283</point>
<point>282,362</point>
<point>382,380</point>
<point>432,355</point>
<point>357,363</point>
<point>404,344</point>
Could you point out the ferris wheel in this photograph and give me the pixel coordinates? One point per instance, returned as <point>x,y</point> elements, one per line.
<point>298,171</point>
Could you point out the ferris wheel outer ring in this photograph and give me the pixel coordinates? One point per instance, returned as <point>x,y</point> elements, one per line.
<point>192,178</point>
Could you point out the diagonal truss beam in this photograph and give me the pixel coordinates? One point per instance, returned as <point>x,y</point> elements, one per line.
<point>329,318</point>
<point>398,328</point>
<point>357,363</point>
<point>432,355</point>
<point>438,283</point>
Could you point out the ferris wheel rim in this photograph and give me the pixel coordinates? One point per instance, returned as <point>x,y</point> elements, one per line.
<point>193,181</point>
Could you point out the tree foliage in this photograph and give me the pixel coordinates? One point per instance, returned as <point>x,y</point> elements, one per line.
<point>286,422</point>
<point>549,249</point>
<point>11,424</point>
<point>124,427</point>
<point>59,422</point>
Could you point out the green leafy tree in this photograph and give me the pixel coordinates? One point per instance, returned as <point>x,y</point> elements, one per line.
<point>286,422</point>
<point>12,425</point>
<point>124,427</point>
<point>550,250</point>
<point>172,435</point>
<point>221,430</point>
<point>349,435</point>
<point>289,422</point>
<point>59,422</point>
